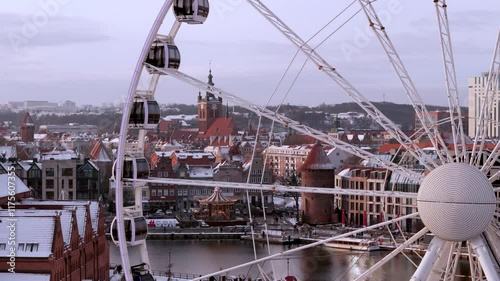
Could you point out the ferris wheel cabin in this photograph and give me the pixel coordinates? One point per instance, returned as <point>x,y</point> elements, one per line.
<point>145,114</point>
<point>133,168</point>
<point>136,230</point>
<point>191,11</point>
<point>163,55</point>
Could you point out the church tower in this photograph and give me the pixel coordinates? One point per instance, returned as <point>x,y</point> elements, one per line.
<point>209,108</point>
<point>27,129</point>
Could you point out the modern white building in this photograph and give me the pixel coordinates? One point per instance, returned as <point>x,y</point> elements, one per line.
<point>477,87</point>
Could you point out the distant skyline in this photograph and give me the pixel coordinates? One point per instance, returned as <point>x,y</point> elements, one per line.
<point>85,51</point>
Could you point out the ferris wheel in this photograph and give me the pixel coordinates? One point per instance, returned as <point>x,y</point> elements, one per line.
<point>456,200</point>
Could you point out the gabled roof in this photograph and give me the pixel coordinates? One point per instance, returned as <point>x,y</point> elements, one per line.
<point>18,183</point>
<point>80,211</point>
<point>36,230</point>
<point>317,159</point>
<point>66,218</point>
<point>99,152</point>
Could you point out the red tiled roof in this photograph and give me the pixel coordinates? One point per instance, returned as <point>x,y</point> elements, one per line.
<point>221,127</point>
<point>387,147</point>
<point>186,135</point>
<point>298,140</point>
<point>317,159</point>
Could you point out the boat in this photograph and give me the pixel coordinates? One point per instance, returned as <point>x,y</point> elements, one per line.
<point>358,244</point>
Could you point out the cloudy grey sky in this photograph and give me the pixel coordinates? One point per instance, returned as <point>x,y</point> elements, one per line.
<point>86,50</point>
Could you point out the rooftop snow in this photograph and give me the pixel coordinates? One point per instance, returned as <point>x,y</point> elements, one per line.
<point>66,218</point>
<point>24,276</point>
<point>30,230</point>
<point>20,187</point>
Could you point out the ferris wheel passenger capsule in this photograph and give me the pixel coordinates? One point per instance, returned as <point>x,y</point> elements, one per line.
<point>145,114</point>
<point>136,230</point>
<point>191,11</point>
<point>133,168</point>
<point>163,55</point>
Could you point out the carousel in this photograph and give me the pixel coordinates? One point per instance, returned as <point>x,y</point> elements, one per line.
<point>218,210</point>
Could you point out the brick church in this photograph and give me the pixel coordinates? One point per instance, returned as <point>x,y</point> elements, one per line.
<point>214,127</point>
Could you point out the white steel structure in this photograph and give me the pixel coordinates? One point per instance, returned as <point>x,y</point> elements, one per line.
<point>456,200</point>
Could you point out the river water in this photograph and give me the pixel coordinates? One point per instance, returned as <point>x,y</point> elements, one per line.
<point>316,264</point>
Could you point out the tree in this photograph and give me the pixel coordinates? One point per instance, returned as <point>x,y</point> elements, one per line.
<point>291,179</point>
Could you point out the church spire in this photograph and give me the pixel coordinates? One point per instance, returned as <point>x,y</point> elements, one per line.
<point>210,76</point>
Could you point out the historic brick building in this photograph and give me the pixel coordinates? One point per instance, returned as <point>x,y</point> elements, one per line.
<point>318,171</point>
<point>27,129</point>
<point>62,239</point>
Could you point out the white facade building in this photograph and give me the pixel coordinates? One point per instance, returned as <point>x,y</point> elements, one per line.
<point>476,93</point>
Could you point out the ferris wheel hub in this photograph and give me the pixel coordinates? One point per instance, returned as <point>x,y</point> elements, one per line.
<point>456,202</point>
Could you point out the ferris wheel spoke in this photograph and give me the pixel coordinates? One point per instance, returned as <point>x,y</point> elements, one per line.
<point>452,261</point>
<point>480,248</point>
<point>395,252</point>
<point>274,188</point>
<point>451,80</point>
<point>352,92</point>
<point>287,122</point>
<point>484,122</point>
<point>434,253</point>
<point>491,93</point>
<point>408,85</point>
<point>314,244</point>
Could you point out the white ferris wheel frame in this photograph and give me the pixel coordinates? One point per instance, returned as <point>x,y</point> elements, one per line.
<point>436,262</point>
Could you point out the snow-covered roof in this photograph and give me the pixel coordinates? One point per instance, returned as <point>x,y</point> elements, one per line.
<point>317,160</point>
<point>164,153</point>
<point>60,155</point>
<point>181,117</point>
<point>30,230</point>
<point>65,217</point>
<point>24,276</point>
<point>40,136</point>
<point>196,155</point>
<point>201,172</point>
<point>10,151</point>
<point>80,211</point>
<point>20,186</point>
<point>344,172</point>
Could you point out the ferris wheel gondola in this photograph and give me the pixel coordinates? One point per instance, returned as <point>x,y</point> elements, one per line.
<point>163,54</point>
<point>133,168</point>
<point>191,11</point>
<point>145,114</point>
<point>136,230</point>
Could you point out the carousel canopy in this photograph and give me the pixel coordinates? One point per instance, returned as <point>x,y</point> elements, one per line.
<point>218,198</point>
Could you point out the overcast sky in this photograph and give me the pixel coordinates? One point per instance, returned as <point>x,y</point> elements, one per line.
<point>87,50</point>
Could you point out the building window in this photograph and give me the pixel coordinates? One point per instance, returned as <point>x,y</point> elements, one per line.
<point>153,192</point>
<point>68,172</point>
<point>172,192</point>
<point>28,247</point>
<point>49,172</point>
<point>34,173</point>
<point>49,183</point>
<point>70,183</point>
